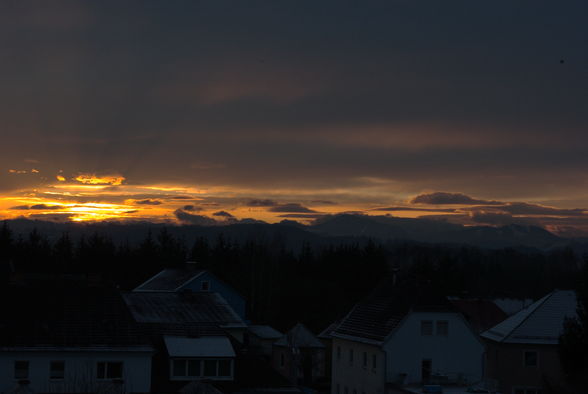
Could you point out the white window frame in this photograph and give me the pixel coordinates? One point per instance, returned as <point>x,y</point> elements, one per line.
<point>423,322</point>
<point>201,374</point>
<point>438,323</point>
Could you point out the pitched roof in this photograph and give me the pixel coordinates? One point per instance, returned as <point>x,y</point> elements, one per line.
<point>68,316</point>
<point>265,332</point>
<point>171,279</point>
<point>301,337</point>
<point>374,318</point>
<point>212,346</point>
<point>182,308</point>
<point>481,314</point>
<point>539,323</point>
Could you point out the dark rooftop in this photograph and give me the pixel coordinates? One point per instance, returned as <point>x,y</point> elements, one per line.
<point>171,279</point>
<point>181,308</point>
<point>378,314</point>
<point>67,315</point>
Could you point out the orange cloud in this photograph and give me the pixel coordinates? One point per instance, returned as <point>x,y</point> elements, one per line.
<point>60,178</point>
<point>92,179</point>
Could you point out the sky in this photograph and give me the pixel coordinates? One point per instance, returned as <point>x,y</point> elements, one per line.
<point>219,111</point>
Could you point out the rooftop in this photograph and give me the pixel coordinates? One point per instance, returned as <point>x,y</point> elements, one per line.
<point>204,308</point>
<point>301,337</point>
<point>68,317</point>
<point>539,323</point>
<point>171,279</point>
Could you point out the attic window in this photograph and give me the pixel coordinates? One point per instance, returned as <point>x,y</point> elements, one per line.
<point>205,285</point>
<point>426,327</point>
<point>442,328</point>
<point>21,370</point>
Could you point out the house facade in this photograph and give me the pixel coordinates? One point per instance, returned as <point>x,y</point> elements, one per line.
<point>522,351</point>
<point>71,339</point>
<point>75,370</point>
<point>387,342</point>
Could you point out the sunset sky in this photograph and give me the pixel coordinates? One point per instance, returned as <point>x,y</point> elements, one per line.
<point>218,111</point>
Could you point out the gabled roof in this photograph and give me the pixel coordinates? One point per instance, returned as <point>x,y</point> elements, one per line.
<point>68,316</point>
<point>374,318</point>
<point>539,323</point>
<point>171,279</point>
<point>213,346</point>
<point>265,332</point>
<point>182,308</point>
<point>301,337</point>
<point>481,314</point>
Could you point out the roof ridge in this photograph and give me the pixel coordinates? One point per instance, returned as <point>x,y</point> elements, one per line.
<point>539,302</point>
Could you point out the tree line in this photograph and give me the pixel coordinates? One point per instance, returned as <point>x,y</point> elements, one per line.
<point>315,284</point>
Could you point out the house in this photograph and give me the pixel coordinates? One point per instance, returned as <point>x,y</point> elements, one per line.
<point>481,314</point>
<point>522,353</point>
<point>261,338</point>
<point>70,339</point>
<point>194,335</point>
<point>299,356</point>
<point>190,277</point>
<point>403,335</point>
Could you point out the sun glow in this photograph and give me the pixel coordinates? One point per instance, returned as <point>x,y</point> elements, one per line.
<point>92,179</point>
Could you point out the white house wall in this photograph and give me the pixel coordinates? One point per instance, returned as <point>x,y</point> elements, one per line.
<point>460,352</point>
<point>353,377</point>
<point>80,371</point>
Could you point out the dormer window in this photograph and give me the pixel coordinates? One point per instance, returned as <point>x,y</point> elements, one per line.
<point>204,285</point>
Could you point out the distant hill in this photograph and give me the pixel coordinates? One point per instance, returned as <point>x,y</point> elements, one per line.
<point>435,231</point>
<point>334,229</point>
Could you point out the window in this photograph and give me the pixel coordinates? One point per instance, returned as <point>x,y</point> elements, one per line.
<point>193,367</point>
<point>364,359</point>
<point>426,327</point>
<point>338,389</point>
<point>443,328</point>
<point>338,352</point>
<point>374,361</point>
<point>190,368</point>
<point>530,358</point>
<point>56,370</point>
<point>109,370</point>
<point>350,356</point>
<point>179,367</point>
<point>21,369</point>
<point>224,368</point>
<point>282,360</point>
<point>209,367</point>
<point>205,285</point>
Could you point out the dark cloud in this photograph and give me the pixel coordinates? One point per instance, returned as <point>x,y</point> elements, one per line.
<point>442,198</point>
<point>393,209</point>
<point>224,214</point>
<point>523,208</point>
<point>43,207</point>
<point>192,208</point>
<point>148,202</point>
<point>292,207</point>
<point>199,220</point>
<point>261,203</point>
<point>20,207</point>
<point>182,198</point>
<point>303,215</point>
<point>323,202</point>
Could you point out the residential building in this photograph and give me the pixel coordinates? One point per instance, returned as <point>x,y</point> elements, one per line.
<point>190,277</point>
<point>261,338</point>
<point>299,356</point>
<point>71,339</point>
<point>522,353</point>
<point>403,335</point>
